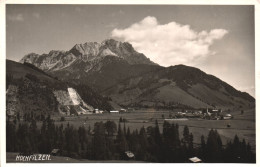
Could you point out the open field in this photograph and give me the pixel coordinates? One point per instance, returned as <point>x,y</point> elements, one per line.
<point>242,125</point>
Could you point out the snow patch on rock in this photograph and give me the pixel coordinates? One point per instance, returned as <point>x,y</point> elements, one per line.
<point>76,99</point>
<point>74,96</point>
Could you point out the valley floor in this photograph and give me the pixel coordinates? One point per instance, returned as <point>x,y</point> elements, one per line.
<point>241,125</point>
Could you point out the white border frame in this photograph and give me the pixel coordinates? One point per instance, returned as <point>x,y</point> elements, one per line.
<point>256,3</point>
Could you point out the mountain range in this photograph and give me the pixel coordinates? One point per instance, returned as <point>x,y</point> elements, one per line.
<point>120,75</point>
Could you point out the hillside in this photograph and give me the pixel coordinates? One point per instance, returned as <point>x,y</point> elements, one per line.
<point>32,91</point>
<point>107,72</point>
<point>178,86</point>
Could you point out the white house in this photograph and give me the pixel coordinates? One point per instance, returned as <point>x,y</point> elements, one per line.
<point>227,116</point>
<point>115,111</point>
<point>96,111</point>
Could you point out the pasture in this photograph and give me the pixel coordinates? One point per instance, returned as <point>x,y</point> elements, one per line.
<point>242,125</point>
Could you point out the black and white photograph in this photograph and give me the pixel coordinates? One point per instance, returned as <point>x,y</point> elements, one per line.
<point>129,83</point>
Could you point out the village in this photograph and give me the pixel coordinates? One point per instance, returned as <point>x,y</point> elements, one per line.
<point>206,113</point>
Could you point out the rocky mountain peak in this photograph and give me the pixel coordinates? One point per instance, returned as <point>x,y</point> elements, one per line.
<point>89,52</point>
<point>117,45</point>
<point>88,48</point>
<point>29,58</point>
<point>110,41</point>
<point>56,52</point>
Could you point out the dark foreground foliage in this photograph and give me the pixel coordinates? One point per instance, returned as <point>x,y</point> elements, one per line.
<point>109,142</point>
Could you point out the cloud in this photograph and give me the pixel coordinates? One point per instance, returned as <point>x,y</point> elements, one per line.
<point>171,43</point>
<point>18,17</point>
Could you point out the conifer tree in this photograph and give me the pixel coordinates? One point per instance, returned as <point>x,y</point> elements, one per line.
<point>99,142</point>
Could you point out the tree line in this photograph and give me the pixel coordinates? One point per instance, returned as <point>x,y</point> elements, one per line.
<point>107,141</point>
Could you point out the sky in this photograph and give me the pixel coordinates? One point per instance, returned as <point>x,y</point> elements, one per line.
<point>217,39</point>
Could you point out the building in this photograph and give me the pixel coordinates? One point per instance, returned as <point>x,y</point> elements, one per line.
<point>195,160</point>
<point>115,111</point>
<point>122,110</point>
<point>227,116</point>
<point>129,155</point>
<point>96,111</point>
